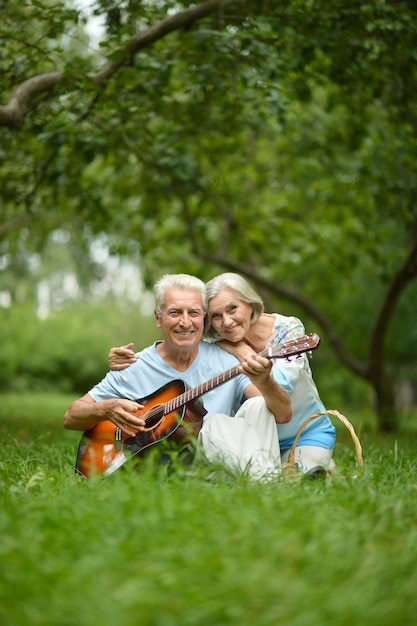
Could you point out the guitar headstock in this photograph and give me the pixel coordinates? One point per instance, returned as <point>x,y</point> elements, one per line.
<point>306,343</point>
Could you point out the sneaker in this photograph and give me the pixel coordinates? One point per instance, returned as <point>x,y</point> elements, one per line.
<point>316,472</point>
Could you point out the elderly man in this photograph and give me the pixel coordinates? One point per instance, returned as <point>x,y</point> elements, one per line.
<point>244,442</point>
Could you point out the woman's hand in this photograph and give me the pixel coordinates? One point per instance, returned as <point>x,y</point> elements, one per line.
<point>121,357</point>
<point>258,369</point>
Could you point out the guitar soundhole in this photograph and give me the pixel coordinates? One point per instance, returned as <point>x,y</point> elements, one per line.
<point>155,415</point>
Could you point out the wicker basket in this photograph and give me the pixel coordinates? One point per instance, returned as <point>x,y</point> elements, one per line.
<point>291,467</point>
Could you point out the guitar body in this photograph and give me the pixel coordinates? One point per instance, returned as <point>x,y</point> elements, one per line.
<point>104,448</point>
<point>174,411</point>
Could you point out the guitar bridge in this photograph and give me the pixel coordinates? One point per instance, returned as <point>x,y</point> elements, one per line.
<point>118,440</point>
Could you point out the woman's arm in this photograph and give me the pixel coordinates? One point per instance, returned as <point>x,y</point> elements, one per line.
<point>259,371</point>
<point>240,349</point>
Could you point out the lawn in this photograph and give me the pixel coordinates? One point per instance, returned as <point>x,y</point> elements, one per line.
<point>153,548</point>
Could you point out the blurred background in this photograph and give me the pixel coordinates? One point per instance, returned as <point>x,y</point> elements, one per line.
<point>274,139</point>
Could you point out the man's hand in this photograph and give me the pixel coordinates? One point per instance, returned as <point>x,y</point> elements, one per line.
<point>85,413</point>
<point>121,413</point>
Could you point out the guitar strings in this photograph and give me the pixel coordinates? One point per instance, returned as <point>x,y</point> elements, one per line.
<point>190,394</point>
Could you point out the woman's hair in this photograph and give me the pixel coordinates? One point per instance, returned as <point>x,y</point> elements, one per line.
<point>243,290</point>
<point>178,281</point>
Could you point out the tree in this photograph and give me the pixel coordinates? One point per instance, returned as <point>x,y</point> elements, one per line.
<point>214,135</point>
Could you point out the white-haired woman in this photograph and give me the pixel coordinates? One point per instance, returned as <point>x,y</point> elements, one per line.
<point>239,324</point>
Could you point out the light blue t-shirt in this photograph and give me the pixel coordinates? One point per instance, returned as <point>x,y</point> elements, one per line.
<point>150,372</point>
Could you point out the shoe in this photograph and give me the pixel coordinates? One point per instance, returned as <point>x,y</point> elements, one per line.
<point>316,472</point>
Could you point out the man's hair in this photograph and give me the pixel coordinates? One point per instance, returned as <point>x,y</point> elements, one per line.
<point>243,290</point>
<point>178,281</point>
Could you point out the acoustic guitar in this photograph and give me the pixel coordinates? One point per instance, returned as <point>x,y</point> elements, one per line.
<point>173,411</point>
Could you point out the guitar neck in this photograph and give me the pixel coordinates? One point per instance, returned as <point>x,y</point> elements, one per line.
<point>195,392</point>
<point>306,343</point>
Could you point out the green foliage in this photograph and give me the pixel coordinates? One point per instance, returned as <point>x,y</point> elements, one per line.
<point>278,137</point>
<point>68,350</point>
<point>33,33</point>
<point>177,549</point>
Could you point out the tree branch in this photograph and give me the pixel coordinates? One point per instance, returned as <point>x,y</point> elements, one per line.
<point>26,95</point>
<point>25,98</point>
<point>183,19</point>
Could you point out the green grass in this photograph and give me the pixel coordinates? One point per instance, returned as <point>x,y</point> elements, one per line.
<point>159,549</point>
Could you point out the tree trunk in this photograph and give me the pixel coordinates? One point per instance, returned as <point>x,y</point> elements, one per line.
<point>385,408</point>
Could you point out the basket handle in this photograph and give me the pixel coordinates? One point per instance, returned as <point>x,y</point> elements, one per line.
<point>344,420</point>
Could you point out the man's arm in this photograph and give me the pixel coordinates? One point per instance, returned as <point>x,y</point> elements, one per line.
<point>276,398</point>
<point>85,412</point>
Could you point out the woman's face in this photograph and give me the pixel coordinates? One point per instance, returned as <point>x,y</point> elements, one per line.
<point>229,316</point>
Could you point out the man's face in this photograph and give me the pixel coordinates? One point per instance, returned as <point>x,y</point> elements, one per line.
<point>182,318</point>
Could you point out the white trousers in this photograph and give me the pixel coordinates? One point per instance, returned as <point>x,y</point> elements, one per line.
<point>246,443</point>
<point>307,457</point>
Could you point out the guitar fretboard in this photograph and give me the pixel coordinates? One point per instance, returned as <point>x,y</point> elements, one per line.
<point>289,348</point>
<point>190,394</point>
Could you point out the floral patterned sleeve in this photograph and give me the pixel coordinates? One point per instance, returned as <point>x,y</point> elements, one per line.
<point>285,328</point>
